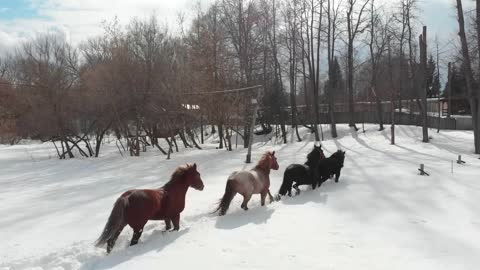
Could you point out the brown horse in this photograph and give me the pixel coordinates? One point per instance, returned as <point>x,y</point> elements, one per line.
<point>135,207</point>
<point>247,183</point>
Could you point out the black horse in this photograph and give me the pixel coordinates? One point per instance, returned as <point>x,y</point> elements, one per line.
<point>297,174</point>
<point>329,167</point>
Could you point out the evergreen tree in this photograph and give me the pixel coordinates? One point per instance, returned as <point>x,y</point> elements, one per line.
<point>433,80</point>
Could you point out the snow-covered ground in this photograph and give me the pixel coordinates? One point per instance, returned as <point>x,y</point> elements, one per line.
<point>381,215</point>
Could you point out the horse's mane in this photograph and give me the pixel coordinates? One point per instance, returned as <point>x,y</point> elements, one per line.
<point>264,162</point>
<point>339,155</point>
<point>177,175</point>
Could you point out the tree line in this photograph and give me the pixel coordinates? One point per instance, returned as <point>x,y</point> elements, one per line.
<point>144,84</point>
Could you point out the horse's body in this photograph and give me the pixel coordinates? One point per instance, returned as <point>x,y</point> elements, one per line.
<point>247,183</point>
<point>331,166</point>
<point>136,207</point>
<point>297,174</point>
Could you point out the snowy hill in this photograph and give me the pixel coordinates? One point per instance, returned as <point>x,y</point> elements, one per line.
<point>381,215</point>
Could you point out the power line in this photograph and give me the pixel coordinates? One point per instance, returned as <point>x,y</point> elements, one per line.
<point>224,91</point>
<point>197,93</point>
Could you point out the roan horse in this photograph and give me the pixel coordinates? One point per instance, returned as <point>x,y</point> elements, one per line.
<point>247,183</point>
<point>297,174</point>
<point>135,207</point>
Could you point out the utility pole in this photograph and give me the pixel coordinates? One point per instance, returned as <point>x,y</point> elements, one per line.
<point>254,103</point>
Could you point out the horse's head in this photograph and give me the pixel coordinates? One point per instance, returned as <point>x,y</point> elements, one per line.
<point>273,161</point>
<point>319,151</point>
<point>339,155</point>
<point>316,154</point>
<point>268,161</point>
<point>192,176</point>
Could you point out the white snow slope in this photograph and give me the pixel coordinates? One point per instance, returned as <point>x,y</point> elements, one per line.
<point>381,215</point>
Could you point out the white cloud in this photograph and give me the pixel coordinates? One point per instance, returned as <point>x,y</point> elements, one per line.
<point>80,19</point>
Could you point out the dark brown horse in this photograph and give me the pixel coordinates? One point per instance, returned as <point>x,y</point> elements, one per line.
<point>135,207</point>
<point>247,183</point>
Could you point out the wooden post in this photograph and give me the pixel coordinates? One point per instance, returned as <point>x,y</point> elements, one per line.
<point>459,160</point>
<point>252,126</point>
<point>422,170</point>
<point>449,91</point>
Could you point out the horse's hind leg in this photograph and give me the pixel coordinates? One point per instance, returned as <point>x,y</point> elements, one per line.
<point>136,236</point>
<point>111,241</point>
<point>168,224</point>
<point>246,198</point>
<point>297,190</point>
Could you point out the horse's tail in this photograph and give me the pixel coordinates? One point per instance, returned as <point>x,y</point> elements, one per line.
<point>115,222</point>
<point>286,184</point>
<point>224,202</point>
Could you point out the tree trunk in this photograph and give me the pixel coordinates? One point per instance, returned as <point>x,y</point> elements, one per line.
<point>380,113</point>
<point>392,100</point>
<point>228,135</point>
<point>192,138</point>
<point>184,140</point>
<point>69,150</point>
<point>468,74</point>
<point>220,136</point>
<point>351,105</point>
<point>423,89</point>
<point>201,129</point>
<point>476,94</point>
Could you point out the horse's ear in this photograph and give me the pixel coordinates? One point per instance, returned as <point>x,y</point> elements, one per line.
<point>273,153</point>
<point>195,166</point>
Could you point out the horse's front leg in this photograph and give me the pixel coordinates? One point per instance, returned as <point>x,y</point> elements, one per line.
<point>263,195</point>
<point>168,224</point>
<point>337,175</point>
<point>176,222</point>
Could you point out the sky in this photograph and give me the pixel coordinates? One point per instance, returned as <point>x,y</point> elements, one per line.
<point>21,20</point>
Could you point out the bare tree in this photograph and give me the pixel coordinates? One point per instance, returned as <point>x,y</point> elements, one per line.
<point>312,21</point>
<point>473,94</point>
<point>377,43</point>
<point>292,32</point>
<point>356,24</point>
<point>333,20</point>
